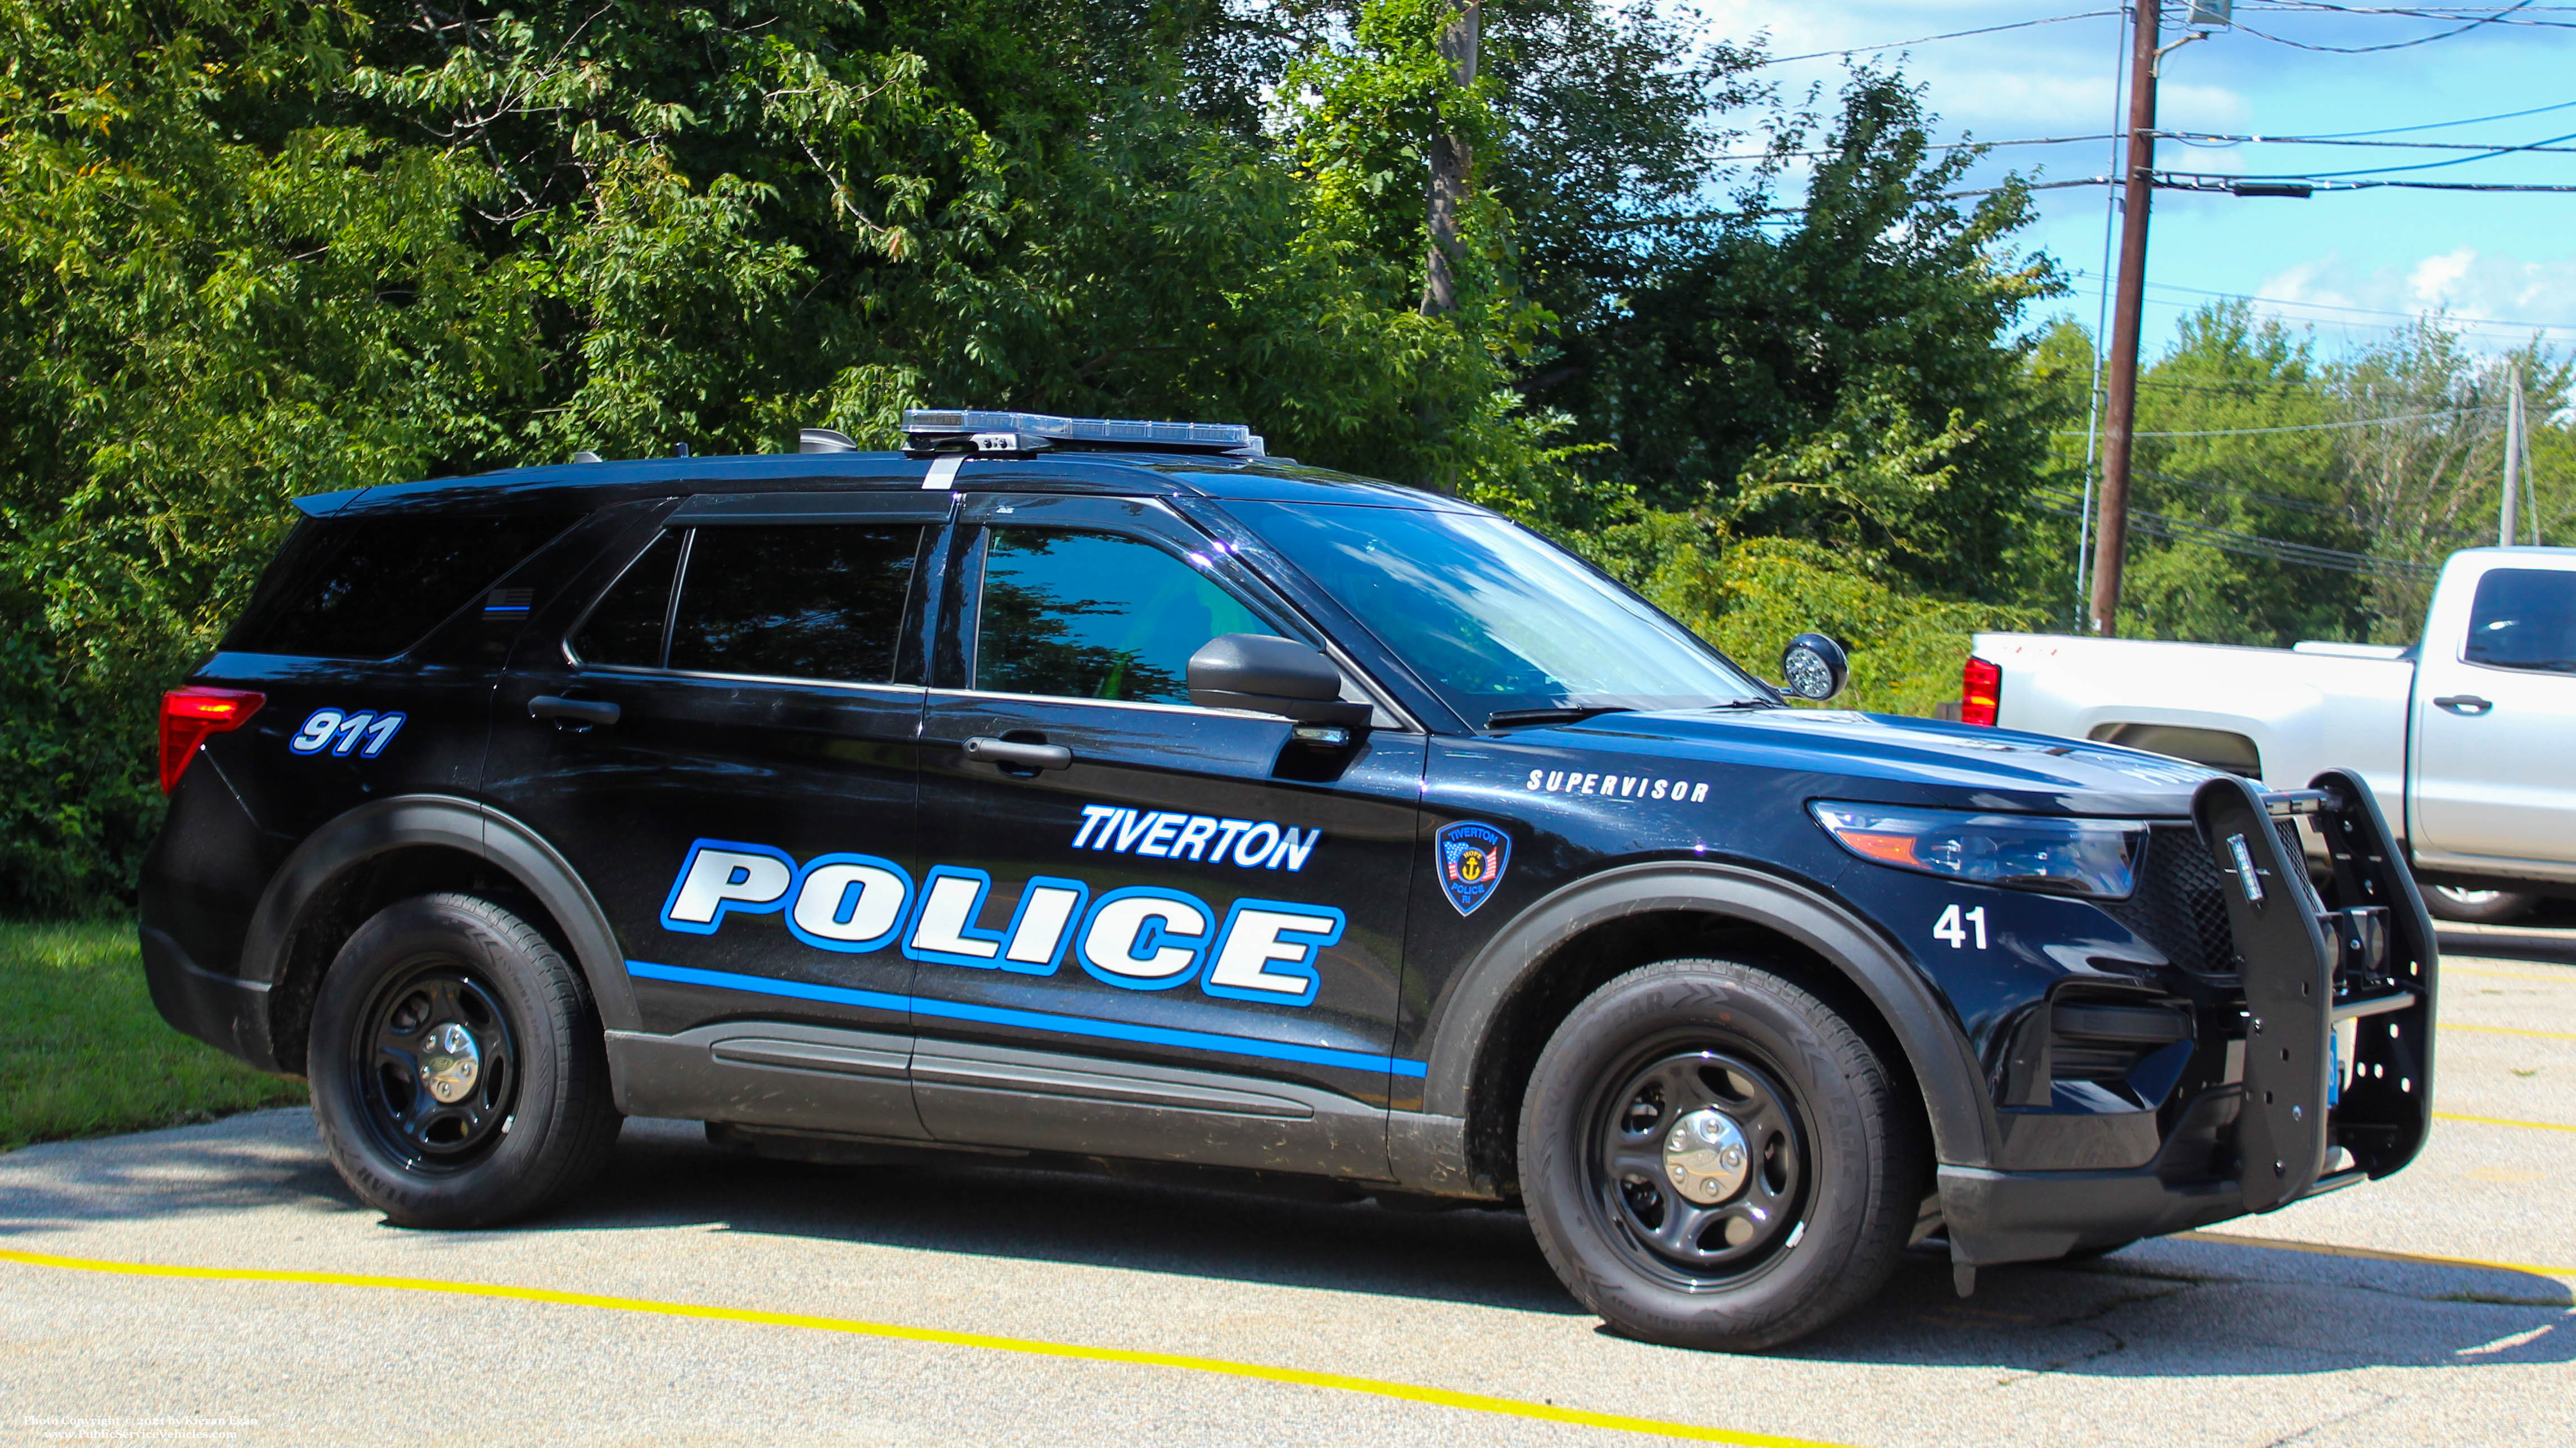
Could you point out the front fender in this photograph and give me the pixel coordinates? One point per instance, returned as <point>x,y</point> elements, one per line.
<point>1954,1094</point>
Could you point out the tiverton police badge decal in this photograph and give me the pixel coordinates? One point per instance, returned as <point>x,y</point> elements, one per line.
<point>1472,857</point>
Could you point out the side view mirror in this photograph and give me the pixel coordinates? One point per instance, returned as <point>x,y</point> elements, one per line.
<point>1272,675</point>
<point>1815,666</point>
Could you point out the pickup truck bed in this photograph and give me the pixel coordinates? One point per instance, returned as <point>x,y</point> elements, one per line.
<point>2466,734</point>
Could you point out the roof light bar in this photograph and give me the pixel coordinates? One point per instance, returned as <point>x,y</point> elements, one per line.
<point>928,430</point>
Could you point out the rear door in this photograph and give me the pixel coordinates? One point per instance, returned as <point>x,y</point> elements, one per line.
<point>1182,938</point>
<point>2494,711</point>
<point>720,734</point>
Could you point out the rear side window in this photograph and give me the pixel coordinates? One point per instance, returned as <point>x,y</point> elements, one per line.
<point>2524,618</point>
<point>801,601</point>
<point>1095,616</point>
<point>366,588</point>
<point>626,627</point>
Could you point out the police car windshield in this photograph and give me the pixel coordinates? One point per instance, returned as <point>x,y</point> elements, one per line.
<point>1496,619</point>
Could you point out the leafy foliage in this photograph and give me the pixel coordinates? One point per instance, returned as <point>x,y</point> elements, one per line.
<point>252,249</point>
<point>2277,496</point>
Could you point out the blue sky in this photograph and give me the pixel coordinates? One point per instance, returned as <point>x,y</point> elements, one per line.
<point>2348,264</point>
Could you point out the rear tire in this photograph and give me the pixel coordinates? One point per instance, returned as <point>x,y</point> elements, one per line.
<point>458,1070</point>
<point>2478,907</point>
<point>1671,1066</point>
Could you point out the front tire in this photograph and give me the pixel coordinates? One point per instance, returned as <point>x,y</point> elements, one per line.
<point>2478,907</point>
<point>458,1070</point>
<point>1712,1158</point>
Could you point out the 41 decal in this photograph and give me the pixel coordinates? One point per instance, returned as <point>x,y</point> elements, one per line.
<point>364,733</point>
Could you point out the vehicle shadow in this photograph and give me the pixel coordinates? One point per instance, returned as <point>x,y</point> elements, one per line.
<point>2198,1307</point>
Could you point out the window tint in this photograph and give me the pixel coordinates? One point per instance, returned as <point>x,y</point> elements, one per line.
<point>1095,616</point>
<point>2524,618</point>
<point>805,601</point>
<point>364,588</point>
<point>626,627</point>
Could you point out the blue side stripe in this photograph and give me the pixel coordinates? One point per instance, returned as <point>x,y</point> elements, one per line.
<point>1032,1020</point>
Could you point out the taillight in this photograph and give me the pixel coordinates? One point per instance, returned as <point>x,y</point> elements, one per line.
<point>189,715</point>
<point>1981,691</point>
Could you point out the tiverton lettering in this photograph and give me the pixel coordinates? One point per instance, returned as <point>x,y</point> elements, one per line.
<point>1253,844</point>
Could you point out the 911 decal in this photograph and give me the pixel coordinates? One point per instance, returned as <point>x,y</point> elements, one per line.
<point>364,733</point>
<point>1136,938</point>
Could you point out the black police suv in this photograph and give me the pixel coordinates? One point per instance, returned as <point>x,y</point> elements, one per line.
<point>1101,791</point>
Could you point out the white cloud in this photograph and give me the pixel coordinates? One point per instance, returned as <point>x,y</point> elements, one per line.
<point>2498,300</point>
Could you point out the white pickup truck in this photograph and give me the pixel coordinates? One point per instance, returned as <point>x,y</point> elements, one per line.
<point>2468,737</point>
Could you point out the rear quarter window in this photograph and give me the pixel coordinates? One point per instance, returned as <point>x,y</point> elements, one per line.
<point>369,588</point>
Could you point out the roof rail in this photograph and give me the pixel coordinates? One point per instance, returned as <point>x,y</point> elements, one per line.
<point>928,431</point>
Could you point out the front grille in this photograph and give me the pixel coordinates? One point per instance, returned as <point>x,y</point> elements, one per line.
<point>2180,906</point>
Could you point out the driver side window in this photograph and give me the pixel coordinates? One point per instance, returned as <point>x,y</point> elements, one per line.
<point>1083,615</point>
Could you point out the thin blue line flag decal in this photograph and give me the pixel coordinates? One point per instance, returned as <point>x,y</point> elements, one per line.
<point>1472,857</point>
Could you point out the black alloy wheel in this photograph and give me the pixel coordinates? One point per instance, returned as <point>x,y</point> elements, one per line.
<point>1713,1157</point>
<point>1699,1164</point>
<point>437,1066</point>
<point>459,1071</point>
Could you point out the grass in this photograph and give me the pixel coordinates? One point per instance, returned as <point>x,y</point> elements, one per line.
<point>83,1053</point>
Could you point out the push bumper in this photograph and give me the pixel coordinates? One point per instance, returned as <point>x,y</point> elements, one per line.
<point>2358,958</point>
<point>226,1012</point>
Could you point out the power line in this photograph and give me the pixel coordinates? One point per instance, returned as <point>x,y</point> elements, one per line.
<point>2341,307</point>
<point>2486,14</point>
<point>2420,165</point>
<point>2229,183</point>
<point>1947,35</point>
<point>2196,138</point>
<point>1940,146</point>
<point>2301,426</point>
<point>2392,45</point>
<point>2253,545</point>
<point>2446,125</point>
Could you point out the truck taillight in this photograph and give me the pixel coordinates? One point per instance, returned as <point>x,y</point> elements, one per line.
<point>1981,691</point>
<point>189,715</point>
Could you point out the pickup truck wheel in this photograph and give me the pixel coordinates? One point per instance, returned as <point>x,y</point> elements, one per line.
<point>458,1070</point>
<point>1712,1158</point>
<point>2478,907</point>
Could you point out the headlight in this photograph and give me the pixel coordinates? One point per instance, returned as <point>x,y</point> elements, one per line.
<point>2094,858</point>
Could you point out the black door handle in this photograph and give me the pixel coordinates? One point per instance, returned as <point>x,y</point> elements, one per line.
<point>2469,704</point>
<point>1012,754</point>
<point>584,712</point>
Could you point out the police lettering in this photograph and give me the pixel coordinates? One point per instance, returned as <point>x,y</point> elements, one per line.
<point>1137,938</point>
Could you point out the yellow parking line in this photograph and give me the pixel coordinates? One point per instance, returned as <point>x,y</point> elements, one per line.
<point>2563,1274</point>
<point>2507,1031</point>
<point>1407,1392</point>
<point>2500,1121</point>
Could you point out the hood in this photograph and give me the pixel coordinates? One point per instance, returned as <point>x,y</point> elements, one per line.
<point>1890,759</point>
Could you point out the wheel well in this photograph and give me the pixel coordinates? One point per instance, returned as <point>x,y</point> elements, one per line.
<point>351,897</point>
<point>2217,748</point>
<point>1582,963</point>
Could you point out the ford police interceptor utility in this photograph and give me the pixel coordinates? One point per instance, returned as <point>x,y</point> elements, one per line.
<point>1092,792</point>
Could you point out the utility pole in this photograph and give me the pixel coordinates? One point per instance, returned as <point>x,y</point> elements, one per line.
<point>1450,166</point>
<point>2120,409</point>
<point>2512,456</point>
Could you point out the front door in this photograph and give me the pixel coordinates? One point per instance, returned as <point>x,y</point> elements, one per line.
<point>722,741</point>
<point>2494,777</point>
<point>1148,929</point>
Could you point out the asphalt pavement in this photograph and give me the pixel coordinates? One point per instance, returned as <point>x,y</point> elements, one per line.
<point>218,1284</point>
